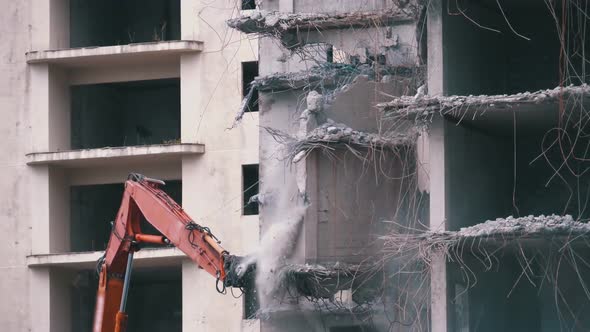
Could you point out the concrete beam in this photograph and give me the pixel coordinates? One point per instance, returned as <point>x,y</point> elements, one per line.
<point>110,155</point>
<point>131,54</point>
<point>84,260</point>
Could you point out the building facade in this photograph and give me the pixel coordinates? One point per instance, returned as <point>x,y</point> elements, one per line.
<point>92,91</point>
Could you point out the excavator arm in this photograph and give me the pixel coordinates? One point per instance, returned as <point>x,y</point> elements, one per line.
<point>143,197</point>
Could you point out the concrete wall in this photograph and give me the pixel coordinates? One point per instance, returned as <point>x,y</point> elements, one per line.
<point>15,129</point>
<point>210,97</point>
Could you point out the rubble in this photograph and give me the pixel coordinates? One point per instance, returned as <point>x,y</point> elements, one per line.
<point>276,23</point>
<point>425,106</point>
<point>331,132</point>
<point>338,133</point>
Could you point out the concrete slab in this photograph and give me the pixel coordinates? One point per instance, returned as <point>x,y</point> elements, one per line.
<point>130,54</point>
<point>115,155</point>
<point>85,260</point>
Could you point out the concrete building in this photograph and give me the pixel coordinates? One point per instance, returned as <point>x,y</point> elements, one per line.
<point>427,188</point>
<point>91,91</point>
<point>421,165</point>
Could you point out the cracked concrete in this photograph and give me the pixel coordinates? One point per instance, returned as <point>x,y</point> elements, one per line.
<point>413,106</point>
<point>276,23</point>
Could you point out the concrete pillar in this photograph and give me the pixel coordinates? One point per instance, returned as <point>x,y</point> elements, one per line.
<point>40,297</point>
<point>50,24</point>
<point>203,308</point>
<point>50,107</point>
<point>191,95</point>
<point>189,19</point>
<point>438,213</point>
<point>50,299</point>
<point>435,47</point>
<point>437,173</point>
<point>50,213</point>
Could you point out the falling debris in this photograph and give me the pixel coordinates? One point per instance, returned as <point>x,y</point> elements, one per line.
<point>244,106</point>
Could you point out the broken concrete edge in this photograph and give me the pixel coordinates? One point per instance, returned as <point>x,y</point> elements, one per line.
<point>425,106</point>
<point>323,282</point>
<point>331,134</point>
<point>328,75</point>
<point>496,232</point>
<point>276,23</point>
<point>36,158</point>
<point>174,46</point>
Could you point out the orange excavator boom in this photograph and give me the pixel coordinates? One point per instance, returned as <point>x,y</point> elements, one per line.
<point>143,197</point>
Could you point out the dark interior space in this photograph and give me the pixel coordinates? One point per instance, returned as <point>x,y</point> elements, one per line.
<point>251,301</point>
<point>249,73</point>
<point>522,165</point>
<point>112,22</point>
<point>550,297</point>
<point>125,114</point>
<point>514,48</point>
<point>248,4</point>
<point>92,209</point>
<point>249,188</point>
<point>154,302</point>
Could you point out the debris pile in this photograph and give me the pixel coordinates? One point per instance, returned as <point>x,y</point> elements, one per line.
<point>424,106</point>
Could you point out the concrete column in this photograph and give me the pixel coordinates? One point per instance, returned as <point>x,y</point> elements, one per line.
<point>191,82</point>
<point>438,213</point>
<point>50,107</point>
<point>50,24</point>
<point>435,47</point>
<point>189,19</point>
<point>39,101</point>
<point>50,213</point>
<point>40,297</point>
<point>50,300</point>
<point>437,173</point>
<point>203,308</point>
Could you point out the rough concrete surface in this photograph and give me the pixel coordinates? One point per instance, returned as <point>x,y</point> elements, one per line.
<point>334,133</point>
<point>275,23</point>
<point>424,105</point>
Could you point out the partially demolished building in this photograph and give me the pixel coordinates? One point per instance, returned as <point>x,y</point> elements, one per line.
<point>423,165</point>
